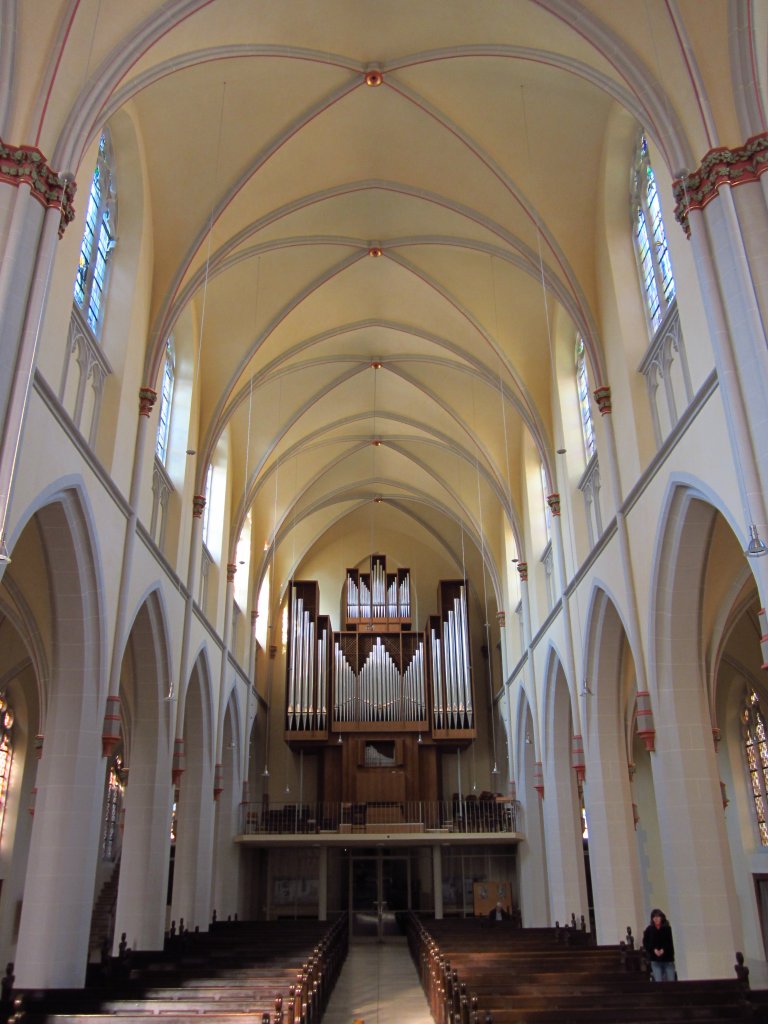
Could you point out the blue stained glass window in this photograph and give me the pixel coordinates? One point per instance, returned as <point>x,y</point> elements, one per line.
<point>756,751</point>
<point>657,279</point>
<point>207,509</point>
<point>582,387</point>
<point>98,239</point>
<point>166,398</point>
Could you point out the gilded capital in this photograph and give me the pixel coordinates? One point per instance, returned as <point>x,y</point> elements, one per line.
<point>27,164</point>
<point>721,166</point>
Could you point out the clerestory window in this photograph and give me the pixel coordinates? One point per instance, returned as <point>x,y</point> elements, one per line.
<point>99,236</point>
<point>166,398</point>
<point>112,808</point>
<point>6,755</point>
<point>655,266</point>
<point>207,509</point>
<point>585,410</point>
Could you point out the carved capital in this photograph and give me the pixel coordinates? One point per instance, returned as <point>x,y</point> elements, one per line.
<point>231,570</point>
<point>522,568</point>
<point>721,166</point>
<point>603,399</point>
<point>198,505</point>
<point>147,399</point>
<point>27,164</point>
<point>553,500</point>
<point>501,618</point>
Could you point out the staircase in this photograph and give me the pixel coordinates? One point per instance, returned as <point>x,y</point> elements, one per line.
<point>102,919</point>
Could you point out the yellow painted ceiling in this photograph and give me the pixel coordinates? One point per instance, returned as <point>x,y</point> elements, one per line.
<point>274,169</point>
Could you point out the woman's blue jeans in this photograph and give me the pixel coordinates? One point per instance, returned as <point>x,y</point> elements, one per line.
<point>662,971</point>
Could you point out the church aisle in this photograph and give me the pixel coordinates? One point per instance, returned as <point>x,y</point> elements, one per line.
<point>379,985</point>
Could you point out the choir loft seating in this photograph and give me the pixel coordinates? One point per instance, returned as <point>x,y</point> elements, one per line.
<point>486,814</point>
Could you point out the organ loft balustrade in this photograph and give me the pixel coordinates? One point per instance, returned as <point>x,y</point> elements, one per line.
<point>486,815</point>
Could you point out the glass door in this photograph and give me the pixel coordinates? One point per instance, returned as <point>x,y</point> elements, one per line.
<point>379,890</point>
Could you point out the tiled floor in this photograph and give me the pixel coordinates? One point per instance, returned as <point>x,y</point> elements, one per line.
<point>379,985</point>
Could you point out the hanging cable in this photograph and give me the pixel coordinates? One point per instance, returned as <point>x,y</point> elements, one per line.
<point>485,593</point>
<point>210,231</point>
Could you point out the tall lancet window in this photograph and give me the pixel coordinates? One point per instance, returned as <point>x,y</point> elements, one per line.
<point>207,509</point>
<point>166,398</point>
<point>655,266</point>
<point>547,512</point>
<point>113,807</point>
<point>6,755</point>
<point>756,749</point>
<point>582,388</point>
<point>98,239</point>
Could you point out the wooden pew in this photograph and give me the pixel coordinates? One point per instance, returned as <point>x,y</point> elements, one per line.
<point>528,977</point>
<point>273,973</point>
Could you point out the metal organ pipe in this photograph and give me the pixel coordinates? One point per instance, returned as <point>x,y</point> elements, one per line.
<point>322,679</point>
<point>392,608</point>
<point>292,660</point>
<point>437,680</point>
<point>365,600</point>
<point>463,619</point>
<point>450,676</point>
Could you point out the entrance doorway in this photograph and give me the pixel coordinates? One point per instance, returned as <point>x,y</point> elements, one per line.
<point>379,892</point>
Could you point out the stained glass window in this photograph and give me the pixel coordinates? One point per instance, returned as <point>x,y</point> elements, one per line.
<point>655,266</point>
<point>166,397</point>
<point>582,387</point>
<point>756,750</point>
<point>98,239</point>
<point>114,805</point>
<point>207,509</point>
<point>6,754</point>
<point>546,509</point>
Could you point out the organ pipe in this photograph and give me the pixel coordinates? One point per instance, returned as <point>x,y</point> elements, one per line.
<point>381,675</point>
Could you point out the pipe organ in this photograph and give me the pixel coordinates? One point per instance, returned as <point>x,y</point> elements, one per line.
<point>377,675</point>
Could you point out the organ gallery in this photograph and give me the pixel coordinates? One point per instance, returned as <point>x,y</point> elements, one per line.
<point>378,699</point>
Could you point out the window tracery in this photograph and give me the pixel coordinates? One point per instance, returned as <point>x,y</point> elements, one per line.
<point>654,263</point>
<point>6,755</point>
<point>98,239</point>
<point>113,807</point>
<point>582,388</point>
<point>166,399</point>
<point>756,751</point>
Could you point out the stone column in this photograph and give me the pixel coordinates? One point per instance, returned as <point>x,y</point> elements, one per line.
<point>634,632</point>
<point>722,207</point>
<point>198,506</point>
<point>613,854</point>
<point>111,731</point>
<point>229,601</point>
<point>35,208</point>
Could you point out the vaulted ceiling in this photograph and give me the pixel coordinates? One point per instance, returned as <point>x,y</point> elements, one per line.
<point>376,211</point>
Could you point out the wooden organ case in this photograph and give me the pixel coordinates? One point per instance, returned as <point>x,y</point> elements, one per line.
<point>377,700</point>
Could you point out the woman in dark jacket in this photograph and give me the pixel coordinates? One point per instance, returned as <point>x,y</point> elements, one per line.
<point>658,944</point>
